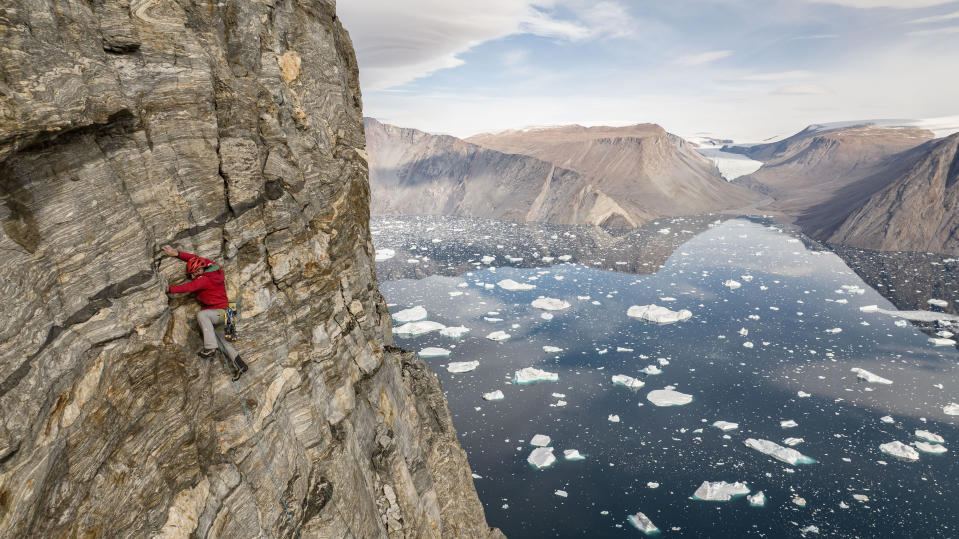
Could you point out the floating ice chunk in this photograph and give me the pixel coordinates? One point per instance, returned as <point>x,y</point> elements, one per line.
<point>788,424</point>
<point>863,374</point>
<point>869,308</point>
<point>748,344</point>
<point>627,381</point>
<point>720,491</point>
<point>652,370</point>
<point>573,454</point>
<point>540,440</point>
<point>937,341</point>
<point>552,349</point>
<point>433,352</point>
<point>803,394</point>
<point>747,278</point>
<point>744,332</point>
<point>731,284</point>
<point>547,259</point>
<point>668,397</point>
<point>546,316</point>
<point>511,285</point>
<point>900,450</point>
<point>414,314</point>
<point>658,315</point>
<point>799,500</point>
<point>498,336</point>
<point>559,395</point>
<point>887,419</point>
<point>945,334</point>
<point>725,425</point>
<point>565,258</point>
<point>860,498</point>
<point>812,528</point>
<point>561,493</point>
<point>640,521</point>
<point>384,254</point>
<point>550,304</point>
<point>454,332</point>
<point>951,409</point>
<point>778,452</point>
<point>494,395</point>
<point>938,303</point>
<point>532,374</point>
<point>613,418</point>
<point>541,457</point>
<point>921,316</point>
<point>488,259</point>
<point>492,319</point>
<point>559,403</point>
<point>413,329</point>
<point>455,293</point>
<point>462,366</point>
<point>834,330</point>
<point>757,500</point>
<point>489,286</point>
<point>929,437</point>
<point>652,484</point>
<point>621,349</point>
<point>792,442</point>
<point>667,298</point>
<point>927,447</point>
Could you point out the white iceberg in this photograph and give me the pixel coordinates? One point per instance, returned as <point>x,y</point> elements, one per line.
<point>546,316</point>
<point>951,409</point>
<point>413,329</point>
<point>934,449</point>
<point>462,366</point>
<point>725,426</point>
<point>513,286</point>
<point>860,498</point>
<point>658,315</point>
<point>414,314</point>
<point>488,259</point>
<point>834,330</point>
<point>652,370</point>
<point>720,491</point>
<point>731,284</point>
<point>900,451</point>
<point>532,374</point>
<point>552,349</point>
<point>642,523</point>
<point>863,374</point>
<point>869,308</point>
<point>454,332</point>
<point>668,397</point>
<point>433,352</point>
<point>498,336</point>
<point>550,304</point>
<point>887,419</point>
<point>927,436</point>
<point>938,303</point>
<point>757,500</point>
<point>561,493</point>
<point>938,341</point>
<point>778,452</point>
<point>792,442</point>
<point>540,440</point>
<point>384,254</point>
<point>613,418</point>
<point>541,457</point>
<point>573,454</point>
<point>920,316</point>
<point>494,395</point>
<point>627,381</point>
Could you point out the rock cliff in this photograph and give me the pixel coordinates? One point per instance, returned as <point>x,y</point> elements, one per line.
<point>232,130</point>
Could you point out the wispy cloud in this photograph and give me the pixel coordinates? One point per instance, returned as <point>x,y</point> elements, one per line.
<point>702,58</point>
<point>936,32</point>
<point>814,36</point>
<point>936,18</point>
<point>898,4</point>
<point>782,75</point>
<point>801,89</point>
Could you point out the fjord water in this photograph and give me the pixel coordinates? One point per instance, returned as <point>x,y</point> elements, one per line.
<point>791,300</point>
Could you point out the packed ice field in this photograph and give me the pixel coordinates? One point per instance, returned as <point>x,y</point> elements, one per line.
<point>745,383</point>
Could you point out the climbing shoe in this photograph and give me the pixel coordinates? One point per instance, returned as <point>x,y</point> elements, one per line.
<point>237,368</point>
<point>207,353</point>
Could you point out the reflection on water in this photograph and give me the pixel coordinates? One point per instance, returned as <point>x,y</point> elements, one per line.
<point>778,347</point>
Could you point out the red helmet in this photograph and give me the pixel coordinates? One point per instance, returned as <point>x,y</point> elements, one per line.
<point>196,264</point>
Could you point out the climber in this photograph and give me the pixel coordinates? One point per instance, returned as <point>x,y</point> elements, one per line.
<point>207,281</point>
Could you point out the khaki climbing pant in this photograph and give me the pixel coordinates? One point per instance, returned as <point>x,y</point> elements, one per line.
<point>208,318</point>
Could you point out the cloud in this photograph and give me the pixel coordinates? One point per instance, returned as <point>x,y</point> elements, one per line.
<point>815,36</point>
<point>801,89</point>
<point>935,32</point>
<point>898,4</point>
<point>783,75</point>
<point>702,58</point>
<point>937,18</point>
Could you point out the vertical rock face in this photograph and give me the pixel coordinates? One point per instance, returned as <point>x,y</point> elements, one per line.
<point>232,130</point>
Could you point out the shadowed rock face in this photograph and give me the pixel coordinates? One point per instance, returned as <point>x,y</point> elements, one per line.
<point>232,130</point>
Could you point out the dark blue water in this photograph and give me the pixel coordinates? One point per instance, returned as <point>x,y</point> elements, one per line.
<point>789,298</point>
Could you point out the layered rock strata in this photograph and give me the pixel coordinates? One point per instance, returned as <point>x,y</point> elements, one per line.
<point>232,130</point>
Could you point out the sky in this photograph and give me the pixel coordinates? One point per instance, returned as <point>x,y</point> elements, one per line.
<point>747,70</point>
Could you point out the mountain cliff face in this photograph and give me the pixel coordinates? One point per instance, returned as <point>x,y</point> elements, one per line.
<point>620,177</point>
<point>232,130</point>
<point>918,209</point>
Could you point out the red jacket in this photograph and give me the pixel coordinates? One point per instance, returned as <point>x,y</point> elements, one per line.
<point>209,287</point>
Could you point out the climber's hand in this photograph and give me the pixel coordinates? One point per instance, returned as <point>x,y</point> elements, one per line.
<point>170,251</point>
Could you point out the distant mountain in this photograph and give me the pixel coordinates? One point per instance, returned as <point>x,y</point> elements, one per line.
<point>916,210</point>
<point>620,177</point>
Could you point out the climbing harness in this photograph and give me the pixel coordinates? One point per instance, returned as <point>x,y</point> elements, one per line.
<point>228,319</point>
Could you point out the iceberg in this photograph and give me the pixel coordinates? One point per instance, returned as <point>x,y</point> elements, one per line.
<point>935,449</point>
<point>413,329</point>
<point>799,500</point>
<point>494,395</point>
<point>668,397</point>
<point>863,374</point>
<point>384,254</point>
<point>454,332</point>
<point>887,419</point>
<point>462,366</point>
<point>834,330</point>
<point>725,426</point>
<point>642,523</point>
<point>627,381</point>
<point>900,451</point>
<point>658,315</point>
<point>869,308</point>
<point>920,316</point>
<point>938,303</point>
<point>788,424</point>
<point>613,418</point>
<point>731,284</point>
<point>552,349</point>
<point>927,436</point>
<point>757,500</point>
<point>550,304</point>
<point>540,440</point>
<point>778,452</point>
<point>433,352</point>
<point>860,498</point>
<point>532,374</point>
<point>792,442</point>
<point>652,370</point>
<point>498,336</point>
<point>546,316</point>
<point>410,315</point>
<point>951,409</point>
<point>488,259</point>
<point>573,454</point>
<point>719,491</point>
<point>513,286</point>
<point>561,493</point>
<point>939,341</point>
<point>541,457</point>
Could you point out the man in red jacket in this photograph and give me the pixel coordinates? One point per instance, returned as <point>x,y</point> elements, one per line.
<point>207,282</point>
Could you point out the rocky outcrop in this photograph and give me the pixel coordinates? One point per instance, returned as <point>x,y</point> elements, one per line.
<point>233,130</point>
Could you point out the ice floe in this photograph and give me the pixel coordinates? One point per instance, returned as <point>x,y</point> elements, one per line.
<point>658,315</point>
<point>927,447</point>
<point>573,454</point>
<point>627,381</point>
<point>413,329</point>
<point>433,352</point>
<point>552,349</point>
<point>778,452</point>
<point>725,425</point>
<point>541,457</point>
<point>731,284</point>
<point>938,303</point>
<point>860,498</point>
<point>414,314</point>
<point>454,332</point>
<point>652,370</point>
<point>927,436</point>
<point>613,418</point>
<point>561,493</point>
<point>494,395</point>
<point>951,409</point>
<point>462,366</point>
<point>642,523</point>
<point>757,500</point>
<point>900,451</point>
<point>668,397</point>
<point>939,341</point>
<point>788,424</point>
<point>540,440</point>
<point>792,442</point>
<point>513,286</point>
<point>550,304</point>
<point>498,336</point>
<point>863,374</point>
<point>532,374</point>
<point>887,419</point>
<point>384,254</point>
<point>720,491</point>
